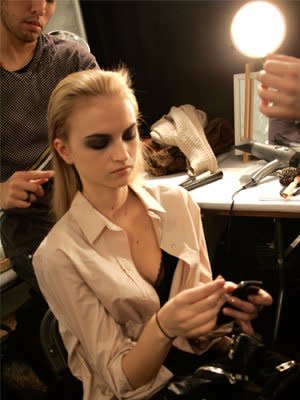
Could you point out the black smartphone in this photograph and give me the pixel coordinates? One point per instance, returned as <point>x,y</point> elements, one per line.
<point>242,291</point>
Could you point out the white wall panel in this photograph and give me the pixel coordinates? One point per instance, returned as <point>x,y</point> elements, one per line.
<point>68,17</point>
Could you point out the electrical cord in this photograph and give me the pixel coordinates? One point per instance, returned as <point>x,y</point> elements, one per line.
<point>228,228</point>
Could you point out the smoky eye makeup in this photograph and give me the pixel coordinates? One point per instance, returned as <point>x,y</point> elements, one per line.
<point>130,133</point>
<point>100,141</point>
<point>97,141</point>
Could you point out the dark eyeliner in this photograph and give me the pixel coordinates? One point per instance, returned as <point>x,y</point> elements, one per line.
<point>130,133</point>
<point>97,142</point>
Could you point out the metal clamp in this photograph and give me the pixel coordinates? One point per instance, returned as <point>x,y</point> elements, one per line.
<point>232,377</point>
<point>286,365</point>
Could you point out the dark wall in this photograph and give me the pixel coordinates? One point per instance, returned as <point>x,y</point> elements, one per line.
<point>178,51</point>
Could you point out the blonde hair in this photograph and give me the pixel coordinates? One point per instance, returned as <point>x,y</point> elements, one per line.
<point>80,84</point>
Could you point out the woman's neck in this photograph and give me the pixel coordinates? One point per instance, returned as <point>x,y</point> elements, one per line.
<point>111,203</point>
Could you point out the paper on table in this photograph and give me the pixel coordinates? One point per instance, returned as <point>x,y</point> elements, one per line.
<point>265,194</point>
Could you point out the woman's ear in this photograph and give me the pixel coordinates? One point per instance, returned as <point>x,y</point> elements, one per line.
<point>63,150</point>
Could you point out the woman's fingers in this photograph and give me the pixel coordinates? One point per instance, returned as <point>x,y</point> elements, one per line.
<point>198,324</point>
<point>193,309</point>
<point>246,327</point>
<point>194,312</point>
<point>241,310</point>
<point>263,298</point>
<point>196,294</point>
<point>248,310</point>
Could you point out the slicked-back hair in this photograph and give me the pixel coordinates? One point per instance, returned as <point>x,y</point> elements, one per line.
<point>88,83</point>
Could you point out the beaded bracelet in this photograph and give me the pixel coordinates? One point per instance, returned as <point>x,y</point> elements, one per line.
<point>159,325</point>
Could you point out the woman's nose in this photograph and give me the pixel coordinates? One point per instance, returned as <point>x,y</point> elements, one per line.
<point>120,151</point>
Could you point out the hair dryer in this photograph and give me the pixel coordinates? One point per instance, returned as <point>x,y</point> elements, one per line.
<point>276,155</point>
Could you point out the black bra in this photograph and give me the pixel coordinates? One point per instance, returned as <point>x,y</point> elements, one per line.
<point>165,275</point>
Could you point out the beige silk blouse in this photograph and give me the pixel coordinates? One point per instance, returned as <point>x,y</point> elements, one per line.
<point>85,271</point>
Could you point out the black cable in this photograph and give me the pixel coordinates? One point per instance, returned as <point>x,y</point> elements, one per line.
<point>228,228</point>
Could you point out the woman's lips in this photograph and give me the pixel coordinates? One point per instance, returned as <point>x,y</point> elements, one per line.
<point>122,170</point>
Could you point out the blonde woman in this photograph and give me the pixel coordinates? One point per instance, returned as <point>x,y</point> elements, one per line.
<point>125,269</point>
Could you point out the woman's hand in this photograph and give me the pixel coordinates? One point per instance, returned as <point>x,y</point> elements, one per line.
<point>243,312</point>
<point>280,87</point>
<point>193,312</point>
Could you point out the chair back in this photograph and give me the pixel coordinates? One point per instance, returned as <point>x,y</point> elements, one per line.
<point>53,346</point>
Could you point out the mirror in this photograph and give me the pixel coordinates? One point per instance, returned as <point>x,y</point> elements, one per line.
<point>259,122</point>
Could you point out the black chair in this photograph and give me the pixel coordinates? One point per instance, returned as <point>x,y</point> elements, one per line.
<point>64,385</point>
<point>53,346</point>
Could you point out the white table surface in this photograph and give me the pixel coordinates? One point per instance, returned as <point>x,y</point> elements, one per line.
<point>260,199</point>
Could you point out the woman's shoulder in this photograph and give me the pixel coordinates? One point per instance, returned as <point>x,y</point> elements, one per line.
<point>60,236</point>
<point>165,189</point>
<point>165,193</point>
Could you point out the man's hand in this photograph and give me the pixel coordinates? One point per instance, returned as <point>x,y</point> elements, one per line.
<point>280,87</point>
<point>23,188</point>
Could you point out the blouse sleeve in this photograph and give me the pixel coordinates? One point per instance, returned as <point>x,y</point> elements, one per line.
<point>94,340</point>
<point>195,211</point>
<point>204,275</point>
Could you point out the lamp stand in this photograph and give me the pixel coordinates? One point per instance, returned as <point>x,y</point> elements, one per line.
<point>248,107</point>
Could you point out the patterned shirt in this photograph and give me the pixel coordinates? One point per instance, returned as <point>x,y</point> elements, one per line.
<point>23,128</point>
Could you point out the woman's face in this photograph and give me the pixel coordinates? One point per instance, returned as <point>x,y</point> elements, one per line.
<point>102,141</point>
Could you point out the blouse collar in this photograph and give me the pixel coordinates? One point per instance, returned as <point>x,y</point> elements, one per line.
<point>92,222</point>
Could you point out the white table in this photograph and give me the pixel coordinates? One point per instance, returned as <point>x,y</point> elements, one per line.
<point>216,197</point>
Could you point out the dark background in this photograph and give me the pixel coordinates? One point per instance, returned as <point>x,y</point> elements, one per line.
<point>177,51</point>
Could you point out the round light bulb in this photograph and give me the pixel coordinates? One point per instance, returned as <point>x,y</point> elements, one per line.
<point>258,28</point>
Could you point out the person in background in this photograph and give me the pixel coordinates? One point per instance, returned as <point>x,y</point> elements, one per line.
<point>280,87</point>
<point>119,310</point>
<point>31,64</point>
